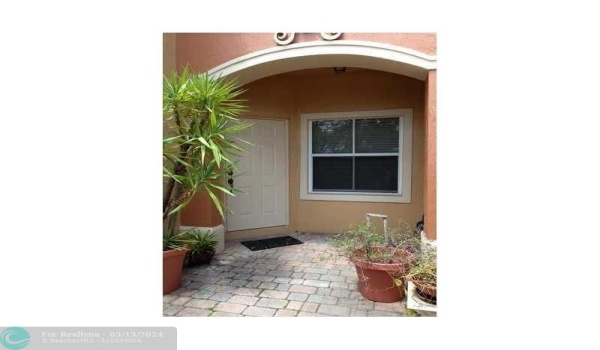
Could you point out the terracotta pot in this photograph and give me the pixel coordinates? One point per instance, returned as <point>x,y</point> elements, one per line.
<point>425,289</point>
<point>172,269</point>
<point>376,281</point>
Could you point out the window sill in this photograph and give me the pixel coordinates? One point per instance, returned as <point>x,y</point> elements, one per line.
<point>350,197</point>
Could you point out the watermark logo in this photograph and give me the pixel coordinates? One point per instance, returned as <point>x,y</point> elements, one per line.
<point>14,338</point>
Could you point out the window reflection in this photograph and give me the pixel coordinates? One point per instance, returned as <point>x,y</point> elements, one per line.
<point>332,136</point>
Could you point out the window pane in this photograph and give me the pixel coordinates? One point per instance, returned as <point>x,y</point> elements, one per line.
<point>332,136</point>
<point>376,174</point>
<point>378,135</point>
<point>332,173</point>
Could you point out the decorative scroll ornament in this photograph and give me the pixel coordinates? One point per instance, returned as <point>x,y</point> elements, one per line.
<point>286,38</point>
<point>330,36</point>
<point>283,38</point>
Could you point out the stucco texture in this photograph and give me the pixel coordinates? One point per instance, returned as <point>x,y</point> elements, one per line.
<point>169,52</point>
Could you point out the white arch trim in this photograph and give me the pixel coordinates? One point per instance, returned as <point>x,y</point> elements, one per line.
<point>316,54</point>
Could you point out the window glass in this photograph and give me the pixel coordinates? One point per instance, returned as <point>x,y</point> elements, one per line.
<point>376,174</point>
<point>378,135</point>
<point>332,136</point>
<point>332,173</point>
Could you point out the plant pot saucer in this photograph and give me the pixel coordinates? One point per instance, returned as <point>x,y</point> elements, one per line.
<point>413,302</point>
<point>424,297</point>
<point>426,291</point>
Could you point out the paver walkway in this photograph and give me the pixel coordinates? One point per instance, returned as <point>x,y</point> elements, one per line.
<point>300,280</point>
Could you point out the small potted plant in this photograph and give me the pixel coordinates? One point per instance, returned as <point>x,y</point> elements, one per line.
<point>201,249</point>
<point>424,274</point>
<point>381,259</point>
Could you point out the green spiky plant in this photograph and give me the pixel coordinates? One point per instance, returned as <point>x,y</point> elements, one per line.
<point>201,120</point>
<point>202,248</point>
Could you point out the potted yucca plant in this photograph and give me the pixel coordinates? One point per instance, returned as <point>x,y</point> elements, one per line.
<point>201,119</point>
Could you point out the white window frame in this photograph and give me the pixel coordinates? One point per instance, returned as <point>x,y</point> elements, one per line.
<point>404,154</point>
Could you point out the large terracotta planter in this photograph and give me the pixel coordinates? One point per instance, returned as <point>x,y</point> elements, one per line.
<point>376,281</point>
<point>172,269</point>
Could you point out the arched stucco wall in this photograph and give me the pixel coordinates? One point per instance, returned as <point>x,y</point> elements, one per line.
<point>169,52</point>
<point>204,51</point>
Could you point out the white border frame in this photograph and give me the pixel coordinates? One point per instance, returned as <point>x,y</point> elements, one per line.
<point>355,53</point>
<point>404,168</point>
<point>286,180</point>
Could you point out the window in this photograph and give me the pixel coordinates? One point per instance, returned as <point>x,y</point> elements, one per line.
<point>356,156</point>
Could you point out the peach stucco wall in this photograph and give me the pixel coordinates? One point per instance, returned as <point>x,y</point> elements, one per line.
<point>169,58</point>
<point>286,96</point>
<point>431,156</point>
<point>204,51</point>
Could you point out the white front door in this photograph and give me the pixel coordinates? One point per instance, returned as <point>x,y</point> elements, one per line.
<point>262,176</point>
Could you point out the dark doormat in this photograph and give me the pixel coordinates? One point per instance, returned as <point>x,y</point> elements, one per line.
<point>269,243</point>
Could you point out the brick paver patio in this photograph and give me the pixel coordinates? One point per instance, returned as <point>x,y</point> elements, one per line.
<point>300,280</point>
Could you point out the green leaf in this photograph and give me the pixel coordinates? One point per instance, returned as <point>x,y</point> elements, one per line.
<point>213,119</point>
<point>215,200</point>
<point>203,151</point>
<point>176,159</point>
<point>221,188</point>
<point>216,152</point>
<point>181,206</point>
<point>202,140</point>
<point>171,139</point>
<point>169,174</point>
